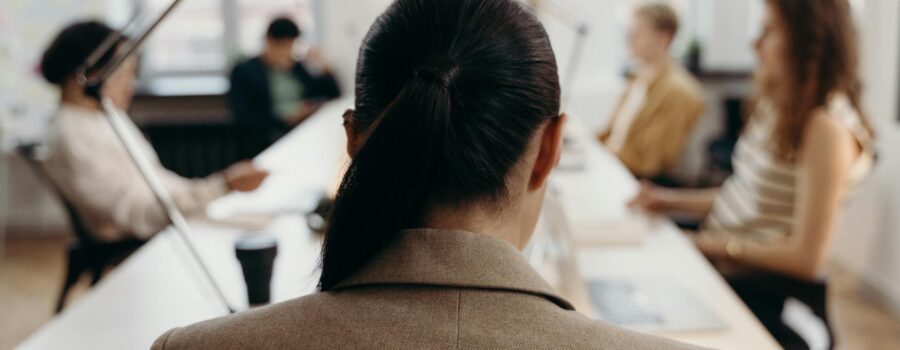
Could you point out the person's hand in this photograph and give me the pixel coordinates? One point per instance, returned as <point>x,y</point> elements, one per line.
<point>711,246</point>
<point>316,57</point>
<point>244,176</point>
<point>314,54</point>
<point>651,198</point>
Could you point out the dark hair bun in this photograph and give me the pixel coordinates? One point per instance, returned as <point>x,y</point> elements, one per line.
<point>71,48</point>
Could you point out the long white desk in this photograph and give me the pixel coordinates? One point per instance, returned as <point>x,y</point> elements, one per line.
<point>159,287</point>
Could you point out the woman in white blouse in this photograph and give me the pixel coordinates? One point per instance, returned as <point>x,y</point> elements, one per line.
<point>89,165</point>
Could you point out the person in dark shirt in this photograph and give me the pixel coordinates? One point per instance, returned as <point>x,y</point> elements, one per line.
<point>274,92</point>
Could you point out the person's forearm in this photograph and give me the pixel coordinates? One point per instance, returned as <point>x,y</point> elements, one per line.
<point>193,195</point>
<point>787,260</point>
<point>693,201</point>
<point>784,259</point>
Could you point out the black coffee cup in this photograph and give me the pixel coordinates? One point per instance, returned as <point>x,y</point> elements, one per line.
<point>257,256</point>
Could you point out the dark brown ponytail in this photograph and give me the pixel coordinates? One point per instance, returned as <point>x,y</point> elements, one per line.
<point>449,92</point>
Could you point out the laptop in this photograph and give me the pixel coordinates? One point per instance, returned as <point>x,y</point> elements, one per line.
<point>650,303</point>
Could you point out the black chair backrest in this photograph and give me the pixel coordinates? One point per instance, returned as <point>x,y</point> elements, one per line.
<point>734,117</point>
<point>814,294</point>
<point>29,152</point>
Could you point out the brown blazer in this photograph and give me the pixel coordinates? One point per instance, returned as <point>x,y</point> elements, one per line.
<point>428,290</point>
<point>655,140</point>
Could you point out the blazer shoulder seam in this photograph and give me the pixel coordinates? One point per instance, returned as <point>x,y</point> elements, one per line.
<point>165,338</point>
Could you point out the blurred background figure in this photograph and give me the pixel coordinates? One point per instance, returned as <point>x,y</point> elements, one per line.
<point>656,114</point>
<point>806,148</point>
<point>111,208</point>
<point>91,168</point>
<point>274,92</point>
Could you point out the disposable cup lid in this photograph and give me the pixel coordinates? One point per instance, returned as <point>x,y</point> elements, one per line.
<point>256,242</point>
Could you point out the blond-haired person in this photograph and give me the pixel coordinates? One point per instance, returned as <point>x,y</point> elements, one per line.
<point>656,114</point>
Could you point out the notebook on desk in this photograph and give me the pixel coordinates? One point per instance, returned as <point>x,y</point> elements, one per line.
<point>594,188</point>
<point>596,209</point>
<point>631,228</point>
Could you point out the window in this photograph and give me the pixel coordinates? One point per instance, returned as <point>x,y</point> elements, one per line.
<point>255,16</point>
<point>205,37</point>
<point>190,41</point>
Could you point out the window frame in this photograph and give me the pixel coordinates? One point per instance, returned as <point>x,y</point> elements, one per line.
<point>231,43</point>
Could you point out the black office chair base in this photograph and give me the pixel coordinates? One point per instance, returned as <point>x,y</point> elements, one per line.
<point>94,259</point>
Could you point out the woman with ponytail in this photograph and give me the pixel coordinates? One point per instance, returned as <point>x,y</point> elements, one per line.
<point>455,131</point>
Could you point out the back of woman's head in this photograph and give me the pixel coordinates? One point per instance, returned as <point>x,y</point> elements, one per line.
<point>449,94</point>
<point>71,48</point>
<point>822,59</point>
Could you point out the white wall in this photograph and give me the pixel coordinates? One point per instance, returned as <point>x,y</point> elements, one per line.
<point>597,80</point>
<point>26,27</point>
<point>344,24</point>
<point>868,239</point>
<point>727,29</point>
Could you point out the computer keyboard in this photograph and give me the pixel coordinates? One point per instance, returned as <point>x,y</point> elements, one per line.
<point>619,302</point>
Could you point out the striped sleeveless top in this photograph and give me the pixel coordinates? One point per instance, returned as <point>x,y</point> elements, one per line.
<point>757,201</point>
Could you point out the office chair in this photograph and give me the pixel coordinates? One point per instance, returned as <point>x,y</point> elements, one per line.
<point>765,294</point>
<point>85,254</point>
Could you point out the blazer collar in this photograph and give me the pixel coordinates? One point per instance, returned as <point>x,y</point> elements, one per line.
<point>453,259</point>
<point>661,75</point>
